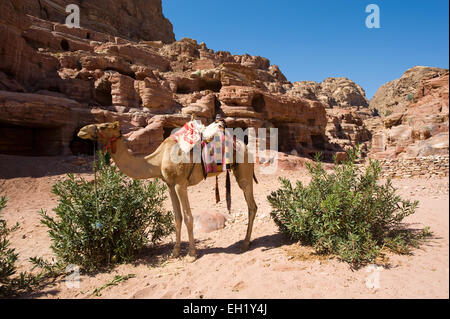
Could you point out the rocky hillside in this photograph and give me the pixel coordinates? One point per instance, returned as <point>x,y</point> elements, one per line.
<point>396,95</point>
<point>55,79</point>
<point>332,92</point>
<point>346,106</point>
<point>416,115</point>
<point>130,19</point>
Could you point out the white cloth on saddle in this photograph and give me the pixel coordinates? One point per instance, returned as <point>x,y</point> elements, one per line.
<point>190,134</point>
<point>210,131</point>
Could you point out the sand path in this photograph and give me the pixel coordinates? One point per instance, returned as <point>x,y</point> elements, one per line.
<point>274,267</point>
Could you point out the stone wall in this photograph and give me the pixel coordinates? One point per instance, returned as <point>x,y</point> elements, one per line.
<point>424,167</point>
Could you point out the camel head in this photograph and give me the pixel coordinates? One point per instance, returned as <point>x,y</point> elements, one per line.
<point>104,132</point>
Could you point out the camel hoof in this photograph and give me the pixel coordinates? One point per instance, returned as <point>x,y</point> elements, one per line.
<point>176,253</point>
<point>244,247</point>
<point>191,258</point>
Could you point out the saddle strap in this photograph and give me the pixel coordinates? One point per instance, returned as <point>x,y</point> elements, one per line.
<point>202,145</point>
<point>190,171</point>
<point>228,188</point>
<point>217,190</point>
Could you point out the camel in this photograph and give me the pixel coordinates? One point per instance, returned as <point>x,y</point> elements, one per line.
<point>177,176</point>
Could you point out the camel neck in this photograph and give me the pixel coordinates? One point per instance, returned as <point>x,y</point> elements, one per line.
<point>134,167</point>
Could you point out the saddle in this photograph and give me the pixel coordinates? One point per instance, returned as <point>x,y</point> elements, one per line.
<point>215,145</point>
<point>215,142</point>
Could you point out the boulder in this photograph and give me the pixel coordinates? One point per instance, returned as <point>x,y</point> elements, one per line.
<point>206,222</point>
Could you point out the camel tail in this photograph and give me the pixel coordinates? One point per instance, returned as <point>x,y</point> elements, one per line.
<point>254,177</point>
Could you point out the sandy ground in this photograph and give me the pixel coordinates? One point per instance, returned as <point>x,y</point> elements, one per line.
<point>274,267</point>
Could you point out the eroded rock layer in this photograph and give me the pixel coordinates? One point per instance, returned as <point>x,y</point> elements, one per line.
<point>417,125</point>
<point>124,65</point>
<point>72,76</point>
<point>131,19</point>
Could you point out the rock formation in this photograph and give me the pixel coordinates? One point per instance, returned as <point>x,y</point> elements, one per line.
<point>418,125</point>
<point>346,128</point>
<point>124,65</point>
<point>346,106</point>
<point>394,96</point>
<point>130,19</point>
<point>149,83</point>
<point>332,92</point>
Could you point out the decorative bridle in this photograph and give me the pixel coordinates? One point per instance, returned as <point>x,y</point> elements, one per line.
<point>110,143</point>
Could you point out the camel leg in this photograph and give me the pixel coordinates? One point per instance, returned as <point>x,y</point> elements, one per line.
<point>181,191</point>
<point>244,178</point>
<point>178,220</point>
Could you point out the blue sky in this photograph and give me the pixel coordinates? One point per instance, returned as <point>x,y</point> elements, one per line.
<point>313,40</point>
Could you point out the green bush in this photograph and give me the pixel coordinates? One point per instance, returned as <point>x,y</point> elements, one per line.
<point>108,221</point>
<point>346,212</point>
<point>10,284</point>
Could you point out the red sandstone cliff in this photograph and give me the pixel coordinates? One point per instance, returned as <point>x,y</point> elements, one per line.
<point>54,79</point>
<point>131,19</point>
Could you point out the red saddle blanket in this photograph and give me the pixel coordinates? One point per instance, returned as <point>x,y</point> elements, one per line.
<point>217,153</point>
<point>216,144</point>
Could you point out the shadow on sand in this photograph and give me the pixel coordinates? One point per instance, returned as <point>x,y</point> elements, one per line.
<point>158,255</point>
